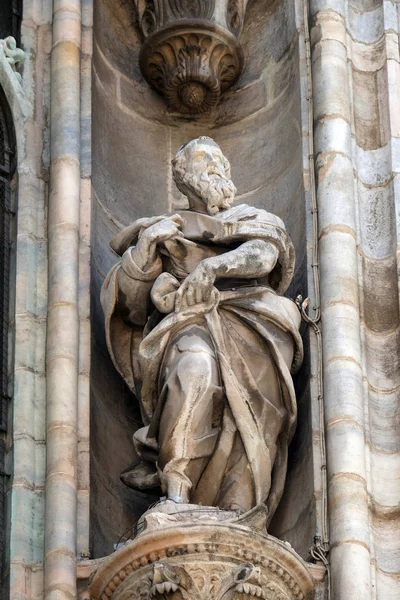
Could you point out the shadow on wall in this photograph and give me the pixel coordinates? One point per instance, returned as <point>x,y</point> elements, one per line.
<point>258,126</point>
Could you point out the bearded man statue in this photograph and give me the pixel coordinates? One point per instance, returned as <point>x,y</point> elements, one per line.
<point>197,326</point>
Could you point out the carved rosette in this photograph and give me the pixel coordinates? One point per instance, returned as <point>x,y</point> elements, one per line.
<point>191,53</point>
<point>206,561</point>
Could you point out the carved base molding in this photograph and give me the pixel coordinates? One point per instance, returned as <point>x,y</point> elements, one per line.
<point>203,554</point>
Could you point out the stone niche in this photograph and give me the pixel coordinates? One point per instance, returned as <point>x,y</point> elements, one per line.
<point>257,123</point>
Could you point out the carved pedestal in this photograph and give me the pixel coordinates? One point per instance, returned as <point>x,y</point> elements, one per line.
<point>203,554</point>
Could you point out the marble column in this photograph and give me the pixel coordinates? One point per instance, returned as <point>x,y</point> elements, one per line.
<point>63,314</point>
<point>355,55</point>
<point>27,95</point>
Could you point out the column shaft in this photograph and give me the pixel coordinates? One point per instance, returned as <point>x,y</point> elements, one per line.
<point>342,354</point>
<point>63,319</point>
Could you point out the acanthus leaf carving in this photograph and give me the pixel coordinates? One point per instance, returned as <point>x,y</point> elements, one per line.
<point>202,562</point>
<point>235,16</point>
<point>191,53</point>
<point>165,580</point>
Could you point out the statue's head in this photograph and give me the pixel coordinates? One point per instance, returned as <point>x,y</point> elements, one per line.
<point>200,170</point>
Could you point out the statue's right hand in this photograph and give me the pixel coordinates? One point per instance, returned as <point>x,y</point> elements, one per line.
<point>165,229</point>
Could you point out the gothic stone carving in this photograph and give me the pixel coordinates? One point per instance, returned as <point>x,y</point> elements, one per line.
<point>191,53</point>
<point>212,365</point>
<point>14,56</point>
<point>208,560</point>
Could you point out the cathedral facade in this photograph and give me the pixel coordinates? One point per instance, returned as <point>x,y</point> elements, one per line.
<point>96,98</point>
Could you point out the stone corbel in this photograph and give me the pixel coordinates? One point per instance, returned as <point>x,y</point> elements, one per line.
<point>191,52</point>
<point>12,55</point>
<point>189,582</point>
<point>202,554</point>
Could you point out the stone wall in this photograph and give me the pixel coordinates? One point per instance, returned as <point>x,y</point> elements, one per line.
<point>29,98</point>
<point>28,102</point>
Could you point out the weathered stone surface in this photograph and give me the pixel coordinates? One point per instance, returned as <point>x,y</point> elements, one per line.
<point>203,554</point>
<point>190,53</point>
<point>381,303</point>
<point>356,72</point>
<point>371,131</point>
<point>264,143</point>
<point>214,431</point>
<point>359,286</point>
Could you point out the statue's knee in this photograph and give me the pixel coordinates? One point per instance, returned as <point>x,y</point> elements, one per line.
<point>194,366</point>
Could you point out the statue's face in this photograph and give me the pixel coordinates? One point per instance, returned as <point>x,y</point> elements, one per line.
<point>206,159</point>
<point>204,173</point>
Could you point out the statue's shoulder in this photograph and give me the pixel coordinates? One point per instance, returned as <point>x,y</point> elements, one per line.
<point>244,212</point>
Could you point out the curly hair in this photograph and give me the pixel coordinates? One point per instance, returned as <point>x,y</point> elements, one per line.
<point>180,162</point>
<point>217,193</point>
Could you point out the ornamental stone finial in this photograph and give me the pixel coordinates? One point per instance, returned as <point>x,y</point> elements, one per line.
<point>14,56</point>
<point>191,53</point>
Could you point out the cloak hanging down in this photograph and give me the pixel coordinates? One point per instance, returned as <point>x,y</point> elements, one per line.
<point>138,349</point>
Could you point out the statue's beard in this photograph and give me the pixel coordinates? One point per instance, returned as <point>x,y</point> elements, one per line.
<point>216,191</point>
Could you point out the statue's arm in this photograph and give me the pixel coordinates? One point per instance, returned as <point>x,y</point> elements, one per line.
<point>252,259</point>
<point>140,266</point>
<point>135,279</point>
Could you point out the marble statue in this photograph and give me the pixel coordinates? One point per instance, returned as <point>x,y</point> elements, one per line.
<point>197,326</point>
<point>14,56</point>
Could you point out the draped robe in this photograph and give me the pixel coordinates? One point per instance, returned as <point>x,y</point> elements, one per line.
<point>247,323</point>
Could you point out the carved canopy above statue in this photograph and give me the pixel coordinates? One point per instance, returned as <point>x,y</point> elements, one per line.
<point>191,53</point>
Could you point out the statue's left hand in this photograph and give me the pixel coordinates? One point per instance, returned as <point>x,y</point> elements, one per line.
<point>196,288</point>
